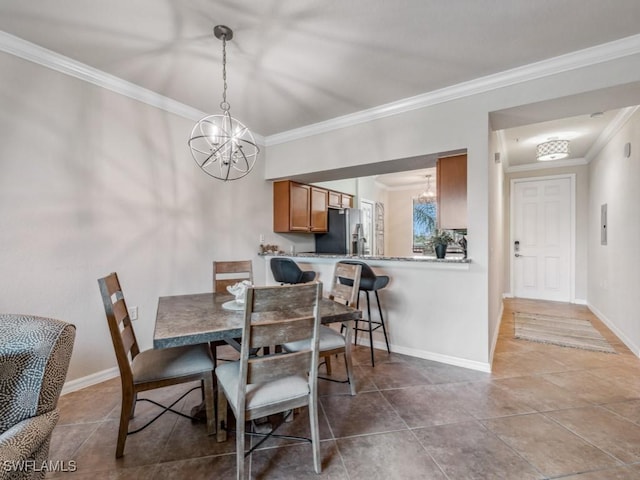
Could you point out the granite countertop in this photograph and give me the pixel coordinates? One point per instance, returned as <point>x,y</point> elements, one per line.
<point>453,258</point>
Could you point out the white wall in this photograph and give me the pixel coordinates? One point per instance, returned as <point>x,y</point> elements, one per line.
<point>93,182</point>
<point>614,269</point>
<point>497,257</point>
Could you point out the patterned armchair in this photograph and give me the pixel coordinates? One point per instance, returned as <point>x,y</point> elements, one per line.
<point>34,358</point>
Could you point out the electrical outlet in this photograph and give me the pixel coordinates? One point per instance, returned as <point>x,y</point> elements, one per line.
<point>133,313</point>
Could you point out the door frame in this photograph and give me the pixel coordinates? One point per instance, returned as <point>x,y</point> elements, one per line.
<point>572,228</point>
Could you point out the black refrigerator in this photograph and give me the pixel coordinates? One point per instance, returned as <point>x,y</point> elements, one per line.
<point>342,225</point>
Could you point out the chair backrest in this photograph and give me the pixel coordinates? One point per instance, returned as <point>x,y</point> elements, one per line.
<point>274,316</point>
<point>122,334</point>
<point>34,358</point>
<point>229,273</point>
<point>366,273</point>
<point>345,284</point>
<point>287,271</point>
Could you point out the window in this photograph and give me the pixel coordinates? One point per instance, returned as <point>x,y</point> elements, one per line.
<point>424,222</point>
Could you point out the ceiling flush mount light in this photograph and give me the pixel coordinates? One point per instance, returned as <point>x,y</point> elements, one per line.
<point>428,195</point>
<point>552,150</point>
<point>221,145</point>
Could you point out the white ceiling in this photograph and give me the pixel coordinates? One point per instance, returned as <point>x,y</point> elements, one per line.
<point>294,63</point>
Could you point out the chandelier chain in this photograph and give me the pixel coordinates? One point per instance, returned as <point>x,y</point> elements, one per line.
<point>224,105</point>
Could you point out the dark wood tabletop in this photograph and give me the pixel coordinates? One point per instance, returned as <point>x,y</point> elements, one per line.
<point>201,318</point>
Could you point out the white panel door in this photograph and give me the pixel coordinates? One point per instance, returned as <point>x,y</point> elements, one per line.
<point>542,239</point>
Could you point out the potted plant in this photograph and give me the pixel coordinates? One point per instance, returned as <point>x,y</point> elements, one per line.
<point>439,241</point>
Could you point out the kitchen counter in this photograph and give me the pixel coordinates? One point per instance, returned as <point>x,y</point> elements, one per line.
<point>453,258</point>
<point>425,304</point>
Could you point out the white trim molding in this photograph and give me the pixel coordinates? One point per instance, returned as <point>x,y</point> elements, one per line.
<point>570,61</point>
<point>635,349</point>
<point>436,357</point>
<point>93,379</point>
<point>608,133</point>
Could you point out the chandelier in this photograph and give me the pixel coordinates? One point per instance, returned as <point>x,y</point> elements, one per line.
<point>552,150</point>
<point>428,195</point>
<point>222,146</point>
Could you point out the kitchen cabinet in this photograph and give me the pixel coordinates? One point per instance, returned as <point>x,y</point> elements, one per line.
<point>340,200</point>
<point>299,208</point>
<point>452,192</point>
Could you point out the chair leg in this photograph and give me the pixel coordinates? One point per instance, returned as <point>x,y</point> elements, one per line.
<point>208,387</point>
<point>128,402</point>
<point>315,434</point>
<point>240,426</point>
<point>373,362</point>
<point>327,363</point>
<point>355,336</point>
<point>384,330</point>
<point>347,359</point>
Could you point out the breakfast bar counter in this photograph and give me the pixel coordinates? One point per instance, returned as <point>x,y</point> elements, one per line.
<point>425,304</point>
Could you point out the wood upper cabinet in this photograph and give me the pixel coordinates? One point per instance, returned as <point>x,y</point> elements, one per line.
<point>452,192</point>
<point>340,200</point>
<point>319,204</point>
<point>299,208</point>
<point>335,199</point>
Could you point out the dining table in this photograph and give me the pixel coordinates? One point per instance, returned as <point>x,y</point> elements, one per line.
<point>208,317</point>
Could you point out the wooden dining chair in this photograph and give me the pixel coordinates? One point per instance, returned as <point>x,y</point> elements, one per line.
<point>152,369</point>
<point>258,386</point>
<point>228,273</point>
<point>333,342</point>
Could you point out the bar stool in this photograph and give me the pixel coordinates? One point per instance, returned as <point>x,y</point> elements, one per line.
<point>287,271</point>
<point>370,282</point>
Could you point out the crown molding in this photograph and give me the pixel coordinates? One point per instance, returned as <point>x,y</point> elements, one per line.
<point>573,162</point>
<point>607,134</point>
<point>47,58</point>
<point>570,61</point>
<point>581,58</point>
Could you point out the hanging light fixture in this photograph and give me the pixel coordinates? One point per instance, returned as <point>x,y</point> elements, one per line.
<point>552,150</point>
<point>428,195</point>
<point>222,146</point>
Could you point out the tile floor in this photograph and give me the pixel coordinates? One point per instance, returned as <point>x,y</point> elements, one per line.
<point>544,412</point>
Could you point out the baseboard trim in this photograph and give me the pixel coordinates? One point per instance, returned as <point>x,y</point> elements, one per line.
<point>436,357</point>
<point>580,301</point>
<point>603,318</point>
<point>83,382</point>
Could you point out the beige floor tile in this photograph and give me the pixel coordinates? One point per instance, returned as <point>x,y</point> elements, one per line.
<point>396,374</point>
<point>604,429</point>
<point>386,456</point>
<point>201,468</point>
<point>539,393</point>
<point>296,463</point>
<point>592,388</point>
<point>618,473</point>
<point>468,450</point>
<point>363,414</point>
<point>486,399</point>
<point>549,447</point>
<point>629,410</point>
<point>436,406</point>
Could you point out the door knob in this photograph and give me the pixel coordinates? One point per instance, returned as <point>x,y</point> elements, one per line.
<point>517,254</point>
